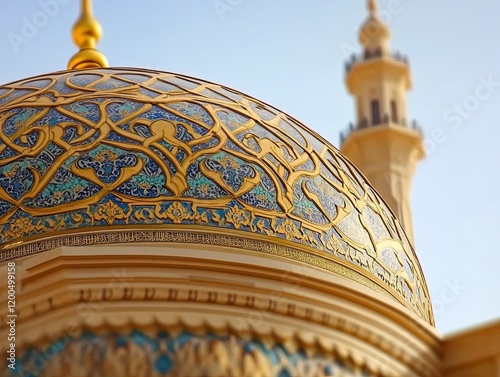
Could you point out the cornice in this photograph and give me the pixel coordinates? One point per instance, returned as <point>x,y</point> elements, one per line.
<point>71,283</point>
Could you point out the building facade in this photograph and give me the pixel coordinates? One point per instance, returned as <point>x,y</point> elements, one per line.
<point>154,224</point>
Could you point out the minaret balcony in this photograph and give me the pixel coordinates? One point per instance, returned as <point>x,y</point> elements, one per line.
<point>371,55</point>
<point>386,122</point>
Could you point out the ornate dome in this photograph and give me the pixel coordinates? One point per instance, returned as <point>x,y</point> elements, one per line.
<point>126,155</point>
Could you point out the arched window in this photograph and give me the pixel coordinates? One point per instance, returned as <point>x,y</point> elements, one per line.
<point>375,106</point>
<point>394,111</point>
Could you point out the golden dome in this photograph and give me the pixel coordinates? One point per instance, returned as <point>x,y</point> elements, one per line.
<point>127,155</point>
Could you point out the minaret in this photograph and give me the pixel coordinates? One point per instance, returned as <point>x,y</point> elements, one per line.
<point>381,143</point>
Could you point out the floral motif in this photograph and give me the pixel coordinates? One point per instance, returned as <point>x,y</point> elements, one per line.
<point>106,164</point>
<point>19,227</point>
<point>16,180</point>
<point>231,174</point>
<point>109,212</point>
<point>177,213</point>
<point>237,217</point>
<point>229,163</point>
<point>334,245</point>
<point>288,228</point>
<point>204,188</point>
<point>105,155</point>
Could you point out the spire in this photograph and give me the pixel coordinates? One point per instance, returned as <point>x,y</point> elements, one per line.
<point>86,33</point>
<point>373,7</point>
<point>374,34</point>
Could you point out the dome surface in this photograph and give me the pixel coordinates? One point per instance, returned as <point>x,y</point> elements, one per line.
<point>128,155</point>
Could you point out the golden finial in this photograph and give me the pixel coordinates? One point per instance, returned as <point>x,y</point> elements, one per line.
<point>373,7</point>
<point>86,33</point>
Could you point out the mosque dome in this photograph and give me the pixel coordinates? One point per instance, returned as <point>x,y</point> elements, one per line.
<point>134,155</point>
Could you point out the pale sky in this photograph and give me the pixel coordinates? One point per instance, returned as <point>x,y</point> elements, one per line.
<point>291,54</point>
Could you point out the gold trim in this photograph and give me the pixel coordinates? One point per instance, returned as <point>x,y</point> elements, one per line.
<point>196,235</point>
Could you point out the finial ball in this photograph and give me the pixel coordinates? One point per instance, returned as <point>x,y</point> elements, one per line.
<point>86,33</point>
<point>85,29</point>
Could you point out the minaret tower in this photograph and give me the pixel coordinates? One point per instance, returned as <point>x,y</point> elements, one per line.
<point>381,143</point>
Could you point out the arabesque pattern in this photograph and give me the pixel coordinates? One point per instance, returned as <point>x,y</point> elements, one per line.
<point>120,147</point>
<point>183,355</point>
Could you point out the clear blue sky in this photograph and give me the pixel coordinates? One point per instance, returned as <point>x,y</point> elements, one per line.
<point>291,53</point>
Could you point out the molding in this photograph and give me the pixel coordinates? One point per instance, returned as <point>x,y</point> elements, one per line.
<point>196,236</point>
<point>63,283</point>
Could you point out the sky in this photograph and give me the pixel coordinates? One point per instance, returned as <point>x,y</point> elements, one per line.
<point>291,54</point>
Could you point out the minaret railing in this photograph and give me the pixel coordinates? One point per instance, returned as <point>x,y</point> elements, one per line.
<point>378,53</point>
<point>365,123</point>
